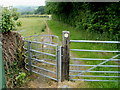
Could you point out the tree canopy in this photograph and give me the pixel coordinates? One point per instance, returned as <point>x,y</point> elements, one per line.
<point>98,17</point>
<point>39,10</point>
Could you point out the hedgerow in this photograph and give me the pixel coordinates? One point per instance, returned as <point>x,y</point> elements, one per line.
<point>97,17</point>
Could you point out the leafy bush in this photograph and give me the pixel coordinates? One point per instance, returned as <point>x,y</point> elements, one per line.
<point>21,78</point>
<point>9,19</point>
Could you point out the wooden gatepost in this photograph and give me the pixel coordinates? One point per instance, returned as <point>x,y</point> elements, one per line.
<point>65,55</point>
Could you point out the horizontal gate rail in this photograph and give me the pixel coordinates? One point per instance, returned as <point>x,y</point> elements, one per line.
<point>45,48</point>
<point>95,65</point>
<point>94,80</point>
<point>42,48</point>
<point>41,36</point>
<point>47,59</point>
<point>93,50</point>
<point>92,41</point>
<point>44,69</point>
<point>95,71</point>
<point>94,76</point>
<point>41,43</point>
<point>43,53</point>
<point>43,61</point>
<point>93,59</point>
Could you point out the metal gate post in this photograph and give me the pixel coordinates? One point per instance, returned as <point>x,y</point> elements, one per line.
<point>29,57</point>
<point>2,73</point>
<point>65,58</point>
<point>60,58</point>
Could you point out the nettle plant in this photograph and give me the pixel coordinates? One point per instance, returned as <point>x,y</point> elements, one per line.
<point>9,19</point>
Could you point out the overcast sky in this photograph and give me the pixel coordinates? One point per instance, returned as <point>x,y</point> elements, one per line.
<point>22,2</point>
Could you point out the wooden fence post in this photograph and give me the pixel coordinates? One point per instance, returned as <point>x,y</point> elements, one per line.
<point>65,56</point>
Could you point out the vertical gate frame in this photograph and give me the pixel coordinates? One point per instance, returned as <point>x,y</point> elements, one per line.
<point>29,57</point>
<point>57,62</point>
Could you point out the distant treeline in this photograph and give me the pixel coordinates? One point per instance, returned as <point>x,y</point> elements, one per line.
<point>39,10</point>
<point>98,17</point>
<point>43,16</point>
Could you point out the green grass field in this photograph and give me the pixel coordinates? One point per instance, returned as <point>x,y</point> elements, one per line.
<point>31,26</point>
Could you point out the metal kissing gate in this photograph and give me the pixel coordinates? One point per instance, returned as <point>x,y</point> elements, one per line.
<point>42,52</point>
<point>45,56</point>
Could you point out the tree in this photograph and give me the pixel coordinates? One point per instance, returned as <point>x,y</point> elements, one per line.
<point>40,10</point>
